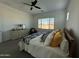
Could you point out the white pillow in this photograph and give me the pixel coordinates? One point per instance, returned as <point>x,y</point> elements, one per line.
<point>64,45</point>
<point>48,39</point>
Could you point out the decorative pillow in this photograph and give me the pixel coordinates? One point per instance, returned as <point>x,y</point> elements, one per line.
<point>64,44</point>
<point>48,39</point>
<point>56,40</point>
<point>44,36</point>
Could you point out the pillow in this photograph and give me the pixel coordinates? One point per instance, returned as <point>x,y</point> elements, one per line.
<point>48,39</point>
<point>64,45</point>
<point>44,36</point>
<point>56,40</point>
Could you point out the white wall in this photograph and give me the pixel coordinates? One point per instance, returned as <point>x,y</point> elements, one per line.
<point>58,15</point>
<point>73,22</point>
<point>9,17</point>
<point>0,37</point>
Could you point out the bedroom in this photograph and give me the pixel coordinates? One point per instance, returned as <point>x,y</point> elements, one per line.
<point>15,12</point>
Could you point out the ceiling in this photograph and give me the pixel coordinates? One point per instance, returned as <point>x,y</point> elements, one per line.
<point>46,5</point>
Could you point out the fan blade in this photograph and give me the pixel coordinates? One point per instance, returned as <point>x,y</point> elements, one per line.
<point>36,0</point>
<point>37,7</point>
<point>31,8</point>
<point>34,3</point>
<point>27,4</point>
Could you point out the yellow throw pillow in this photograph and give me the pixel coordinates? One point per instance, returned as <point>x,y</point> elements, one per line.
<point>56,39</point>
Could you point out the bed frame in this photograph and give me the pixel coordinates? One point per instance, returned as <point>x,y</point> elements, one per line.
<point>72,42</point>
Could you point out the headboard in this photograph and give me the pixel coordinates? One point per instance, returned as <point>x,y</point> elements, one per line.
<point>72,42</point>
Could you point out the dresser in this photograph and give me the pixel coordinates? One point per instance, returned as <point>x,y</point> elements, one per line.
<point>16,34</point>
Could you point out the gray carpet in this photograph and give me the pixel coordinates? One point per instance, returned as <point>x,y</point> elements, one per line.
<point>9,49</point>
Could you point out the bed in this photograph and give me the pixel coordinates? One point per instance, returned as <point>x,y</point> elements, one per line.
<point>43,50</point>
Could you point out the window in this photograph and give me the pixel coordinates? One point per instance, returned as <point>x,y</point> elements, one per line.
<point>67,16</point>
<point>46,23</point>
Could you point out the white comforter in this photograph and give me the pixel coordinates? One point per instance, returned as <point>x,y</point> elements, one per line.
<point>37,49</point>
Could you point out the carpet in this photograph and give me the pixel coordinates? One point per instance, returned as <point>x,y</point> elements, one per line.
<point>9,49</point>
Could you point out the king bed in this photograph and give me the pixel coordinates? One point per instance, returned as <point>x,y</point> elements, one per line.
<point>39,44</point>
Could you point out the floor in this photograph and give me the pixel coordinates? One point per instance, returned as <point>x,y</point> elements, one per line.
<point>9,49</point>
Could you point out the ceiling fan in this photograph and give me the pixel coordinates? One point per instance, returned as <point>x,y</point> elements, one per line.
<point>33,4</point>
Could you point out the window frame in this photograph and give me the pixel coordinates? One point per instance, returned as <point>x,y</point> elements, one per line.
<point>48,22</point>
<point>67,16</point>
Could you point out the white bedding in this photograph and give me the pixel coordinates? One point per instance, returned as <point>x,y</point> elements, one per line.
<point>45,52</point>
<point>39,50</point>
<point>42,49</point>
